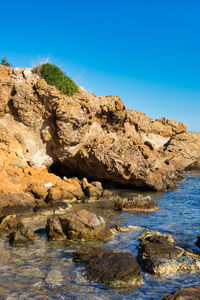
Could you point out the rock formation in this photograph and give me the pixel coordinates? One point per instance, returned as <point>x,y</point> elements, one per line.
<point>79,226</point>
<point>187,293</point>
<point>136,203</point>
<point>84,136</point>
<point>158,255</point>
<point>107,267</point>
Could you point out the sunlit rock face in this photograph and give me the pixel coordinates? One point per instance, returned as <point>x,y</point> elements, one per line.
<point>86,136</point>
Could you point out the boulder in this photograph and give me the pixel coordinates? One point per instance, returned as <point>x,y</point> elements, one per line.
<point>22,237</point>
<point>110,268</point>
<point>10,223</point>
<point>117,228</point>
<point>158,255</point>
<point>137,203</point>
<point>93,190</point>
<point>186,293</point>
<point>54,230</point>
<point>80,226</point>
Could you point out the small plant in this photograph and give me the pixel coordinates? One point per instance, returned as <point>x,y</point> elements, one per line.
<point>4,62</point>
<point>55,76</point>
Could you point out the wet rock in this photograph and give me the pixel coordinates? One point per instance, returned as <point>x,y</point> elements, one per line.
<point>148,233</point>
<point>54,278</point>
<point>21,237</point>
<point>110,268</point>
<point>84,225</point>
<point>10,223</point>
<point>81,225</point>
<point>187,293</point>
<point>158,255</point>
<point>117,228</point>
<point>54,230</point>
<point>197,243</point>
<point>137,203</point>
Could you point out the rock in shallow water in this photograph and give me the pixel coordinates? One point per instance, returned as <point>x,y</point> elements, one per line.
<point>54,277</point>
<point>81,225</point>
<point>158,255</point>
<point>54,230</point>
<point>187,293</point>
<point>138,203</point>
<point>21,237</point>
<point>110,268</point>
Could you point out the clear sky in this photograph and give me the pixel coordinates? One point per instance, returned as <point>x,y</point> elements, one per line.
<point>145,51</point>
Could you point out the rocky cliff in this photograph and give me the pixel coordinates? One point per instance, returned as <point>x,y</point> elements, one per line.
<point>84,136</point>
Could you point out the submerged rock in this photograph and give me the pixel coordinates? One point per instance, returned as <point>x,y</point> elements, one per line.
<point>54,278</point>
<point>187,293</point>
<point>138,203</point>
<point>110,268</point>
<point>81,225</point>
<point>158,255</point>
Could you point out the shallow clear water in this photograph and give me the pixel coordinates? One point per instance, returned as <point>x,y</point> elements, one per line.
<point>46,270</point>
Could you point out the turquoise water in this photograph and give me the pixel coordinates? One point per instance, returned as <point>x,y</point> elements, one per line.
<point>46,270</point>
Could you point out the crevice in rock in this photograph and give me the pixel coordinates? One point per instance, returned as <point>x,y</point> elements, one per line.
<point>63,171</point>
<point>13,111</point>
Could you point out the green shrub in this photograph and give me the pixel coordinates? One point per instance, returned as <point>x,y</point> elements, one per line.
<point>4,62</point>
<point>55,76</point>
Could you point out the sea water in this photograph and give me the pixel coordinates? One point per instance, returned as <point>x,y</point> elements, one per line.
<point>45,270</point>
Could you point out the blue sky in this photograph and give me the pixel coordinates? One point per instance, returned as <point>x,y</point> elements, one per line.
<point>145,51</point>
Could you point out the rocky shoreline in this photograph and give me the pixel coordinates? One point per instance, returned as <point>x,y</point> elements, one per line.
<point>57,152</point>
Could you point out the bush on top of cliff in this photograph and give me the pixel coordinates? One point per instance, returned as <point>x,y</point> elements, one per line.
<point>55,76</point>
<point>4,62</point>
